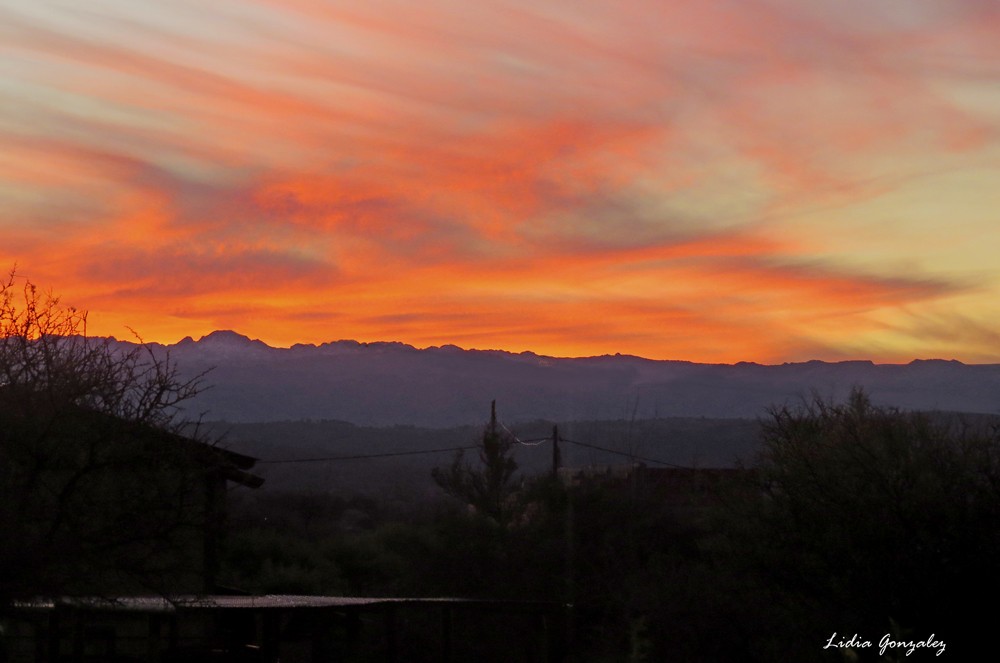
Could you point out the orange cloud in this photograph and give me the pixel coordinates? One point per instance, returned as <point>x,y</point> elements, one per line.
<point>567,179</point>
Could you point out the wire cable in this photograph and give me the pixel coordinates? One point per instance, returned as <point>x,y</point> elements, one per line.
<point>533,442</point>
<point>366,456</point>
<point>624,453</point>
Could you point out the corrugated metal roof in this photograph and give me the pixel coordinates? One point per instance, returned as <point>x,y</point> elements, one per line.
<point>159,604</point>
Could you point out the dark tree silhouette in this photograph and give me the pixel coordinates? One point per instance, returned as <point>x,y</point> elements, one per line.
<point>876,516</point>
<point>490,488</point>
<point>98,488</point>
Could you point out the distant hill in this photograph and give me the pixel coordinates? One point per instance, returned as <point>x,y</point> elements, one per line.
<point>385,384</point>
<point>338,457</point>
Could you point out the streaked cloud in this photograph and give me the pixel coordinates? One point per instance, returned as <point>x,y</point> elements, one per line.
<point>758,180</point>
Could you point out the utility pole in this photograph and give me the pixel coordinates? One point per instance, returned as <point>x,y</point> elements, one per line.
<point>556,457</point>
<point>569,535</point>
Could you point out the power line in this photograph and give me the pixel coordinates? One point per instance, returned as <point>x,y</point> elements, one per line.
<point>527,443</point>
<point>534,442</point>
<point>365,456</point>
<point>623,453</point>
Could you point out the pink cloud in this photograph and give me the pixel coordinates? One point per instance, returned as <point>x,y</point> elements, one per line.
<point>639,178</point>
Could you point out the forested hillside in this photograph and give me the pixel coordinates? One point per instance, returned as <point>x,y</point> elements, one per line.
<point>339,457</point>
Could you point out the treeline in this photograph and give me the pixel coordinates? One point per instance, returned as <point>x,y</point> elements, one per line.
<point>854,519</point>
<point>688,442</point>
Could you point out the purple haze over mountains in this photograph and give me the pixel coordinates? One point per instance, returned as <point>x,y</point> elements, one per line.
<point>393,383</point>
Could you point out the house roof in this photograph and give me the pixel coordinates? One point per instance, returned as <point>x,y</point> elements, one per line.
<point>230,464</point>
<point>172,604</point>
<point>74,419</point>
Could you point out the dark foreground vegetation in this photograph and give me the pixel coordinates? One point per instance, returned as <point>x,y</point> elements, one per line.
<point>856,519</point>
<point>856,525</point>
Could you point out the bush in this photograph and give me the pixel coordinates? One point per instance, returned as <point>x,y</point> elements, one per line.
<point>875,516</point>
<point>98,491</point>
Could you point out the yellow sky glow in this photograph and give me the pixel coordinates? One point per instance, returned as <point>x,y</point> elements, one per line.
<point>720,181</point>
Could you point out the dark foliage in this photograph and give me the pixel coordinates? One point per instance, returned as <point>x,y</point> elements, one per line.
<point>98,491</point>
<point>858,519</point>
<point>875,517</point>
<point>490,488</point>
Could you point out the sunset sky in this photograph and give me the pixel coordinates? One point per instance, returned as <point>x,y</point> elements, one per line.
<point>760,180</point>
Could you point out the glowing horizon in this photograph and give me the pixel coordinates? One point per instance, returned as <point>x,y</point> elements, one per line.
<point>761,180</point>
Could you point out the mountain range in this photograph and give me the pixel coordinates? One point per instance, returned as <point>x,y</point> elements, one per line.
<point>388,383</point>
